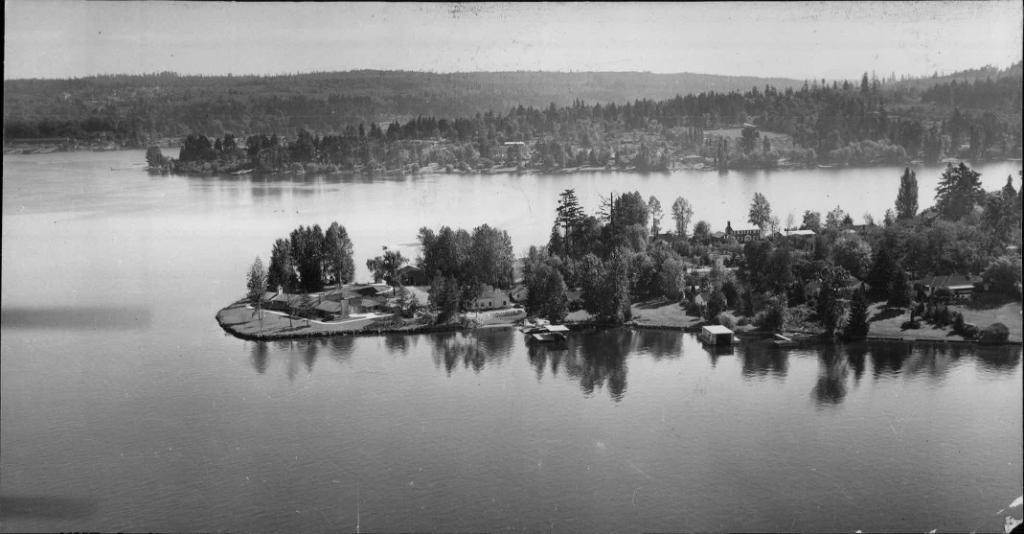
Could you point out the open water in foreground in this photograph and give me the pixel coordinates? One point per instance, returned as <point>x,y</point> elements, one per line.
<point>125,407</point>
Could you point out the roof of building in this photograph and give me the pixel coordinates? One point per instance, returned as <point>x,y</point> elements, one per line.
<point>330,306</point>
<point>716,329</point>
<point>790,233</point>
<point>951,281</point>
<point>282,297</point>
<point>489,292</point>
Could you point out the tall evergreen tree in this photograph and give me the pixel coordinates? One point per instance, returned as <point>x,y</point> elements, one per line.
<point>900,292</point>
<point>569,213</point>
<point>857,325</point>
<point>906,199</point>
<point>281,272</point>
<point>959,190</point>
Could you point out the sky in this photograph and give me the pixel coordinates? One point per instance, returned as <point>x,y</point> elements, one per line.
<point>69,38</point>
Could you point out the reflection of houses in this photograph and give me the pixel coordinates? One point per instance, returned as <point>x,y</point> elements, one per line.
<point>490,298</point>
<point>957,286</point>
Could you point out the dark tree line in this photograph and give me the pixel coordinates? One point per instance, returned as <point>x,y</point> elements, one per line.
<point>310,258</point>
<point>459,263</point>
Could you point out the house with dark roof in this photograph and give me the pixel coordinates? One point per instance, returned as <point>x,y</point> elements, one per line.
<point>490,298</point>
<point>958,286</point>
<point>332,310</point>
<point>410,275</point>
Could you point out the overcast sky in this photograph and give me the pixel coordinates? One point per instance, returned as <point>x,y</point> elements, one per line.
<point>800,40</point>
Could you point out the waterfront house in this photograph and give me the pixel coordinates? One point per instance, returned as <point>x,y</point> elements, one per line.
<point>280,302</point>
<point>743,235</point>
<point>410,275</point>
<point>332,310</point>
<point>490,298</point>
<point>516,151</point>
<point>957,286</point>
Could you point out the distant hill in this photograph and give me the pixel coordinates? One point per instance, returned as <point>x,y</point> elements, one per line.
<point>167,104</point>
<point>965,76</point>
<point>138,110</point>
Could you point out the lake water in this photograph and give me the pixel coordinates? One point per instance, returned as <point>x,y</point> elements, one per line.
<point>125,407</point>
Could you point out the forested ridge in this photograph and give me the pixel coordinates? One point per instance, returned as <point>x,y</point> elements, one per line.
<point>170,105</point>
<point>371,120</point>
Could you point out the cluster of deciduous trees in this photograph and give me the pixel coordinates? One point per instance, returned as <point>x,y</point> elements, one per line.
<point>611,257</point>
<point>459,263</point>
<point>620,256</point>
<point>311,258</point>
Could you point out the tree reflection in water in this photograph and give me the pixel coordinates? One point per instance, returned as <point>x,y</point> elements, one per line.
<point>474,349</point>
<point>593,359</point>
<point>717,351</point>
<point>540,354</point>
<point>259,356</point>
<point>309,352</point>
<point>833,370</point>
<point>999,358</point>
<point>887,358</point>
<point>339,348</point>
<point>399,343</point>
<point>761,361</point>
<point>659,344</point>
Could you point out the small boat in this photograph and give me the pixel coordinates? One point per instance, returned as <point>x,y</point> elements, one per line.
<point>782,341</point>
<point>553,337</point>
<point>537,325</point>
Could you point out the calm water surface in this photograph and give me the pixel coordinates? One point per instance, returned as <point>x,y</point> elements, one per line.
<point>125,407</point>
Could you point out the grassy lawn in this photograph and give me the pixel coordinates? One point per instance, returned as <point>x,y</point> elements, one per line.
<point>887,322</point>
<point>240,319</point>
<point>660,312</point>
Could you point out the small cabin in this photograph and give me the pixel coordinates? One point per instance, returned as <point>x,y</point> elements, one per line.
<point>715,335</point>
<point>490,298</point>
